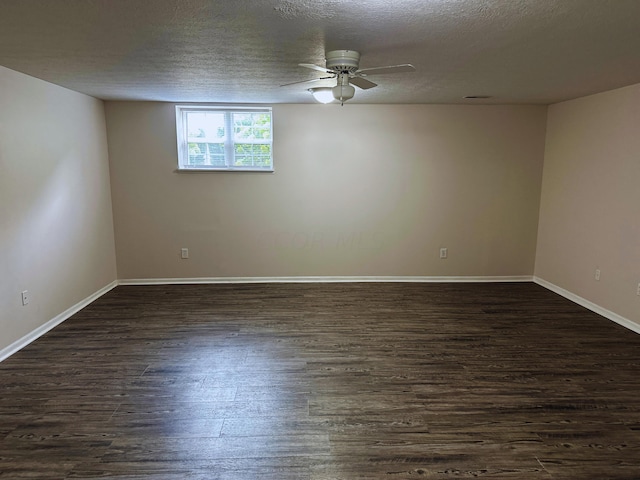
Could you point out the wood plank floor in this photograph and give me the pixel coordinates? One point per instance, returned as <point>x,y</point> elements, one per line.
<point>325,381</point>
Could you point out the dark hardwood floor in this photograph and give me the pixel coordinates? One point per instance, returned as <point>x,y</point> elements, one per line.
<point>325,381</point>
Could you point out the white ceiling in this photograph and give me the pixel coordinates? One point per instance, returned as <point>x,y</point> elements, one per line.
<point>240,51</point>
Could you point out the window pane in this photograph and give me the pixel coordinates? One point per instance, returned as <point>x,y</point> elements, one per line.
<point>251,126</point>
<point>206,125</point>
<point>206,154</point>
<point>196,154</point>
<point>252,155</point>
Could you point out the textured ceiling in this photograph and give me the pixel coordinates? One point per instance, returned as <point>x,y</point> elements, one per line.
<point>516,51</point>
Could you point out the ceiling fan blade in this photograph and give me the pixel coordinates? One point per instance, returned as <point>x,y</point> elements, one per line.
<point>315,67</point>
<point>404,68</point>
<point>311,80</point>
<point>363,83</point>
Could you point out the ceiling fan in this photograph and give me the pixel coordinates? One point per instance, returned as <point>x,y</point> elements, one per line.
<point>343,65</point>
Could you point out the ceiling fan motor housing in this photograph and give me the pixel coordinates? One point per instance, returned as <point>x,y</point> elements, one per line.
<point>346,61</point>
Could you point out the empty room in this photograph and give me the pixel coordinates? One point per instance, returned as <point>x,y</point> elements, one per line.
<point>328,240</point>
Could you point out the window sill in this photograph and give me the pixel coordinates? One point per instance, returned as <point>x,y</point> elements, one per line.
<point>224,170</point>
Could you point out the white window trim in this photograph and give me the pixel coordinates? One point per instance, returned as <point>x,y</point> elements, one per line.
<point>182,139</point>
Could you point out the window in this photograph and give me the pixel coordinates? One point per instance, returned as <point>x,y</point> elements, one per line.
<point>224,138</point>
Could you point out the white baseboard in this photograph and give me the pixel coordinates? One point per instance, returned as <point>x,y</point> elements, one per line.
<point>625,322</point>
<point>19,344</point>
<point>323,279</point>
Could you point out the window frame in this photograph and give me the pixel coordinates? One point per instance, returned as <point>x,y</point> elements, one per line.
<point>229,142</point>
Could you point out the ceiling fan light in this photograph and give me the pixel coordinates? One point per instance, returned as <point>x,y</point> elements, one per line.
<point>322,94</point>
<point>342,93</point>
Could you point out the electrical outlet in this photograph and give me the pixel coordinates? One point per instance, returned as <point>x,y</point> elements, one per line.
<point>597,275</point>
<point>443,253</point>
<point>184,253</point>
<point>25,297</point>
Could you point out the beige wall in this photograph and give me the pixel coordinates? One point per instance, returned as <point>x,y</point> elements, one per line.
<point>359,190</point>
<point>56,228</point>
<point>590,207</point>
